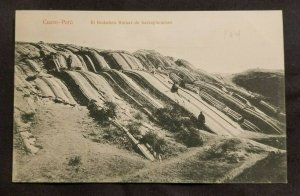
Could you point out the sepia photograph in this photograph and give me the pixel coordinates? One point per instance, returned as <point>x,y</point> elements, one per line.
<point>149,97</point>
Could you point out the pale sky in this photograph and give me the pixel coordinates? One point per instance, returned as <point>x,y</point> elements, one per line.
<point>219,41</point>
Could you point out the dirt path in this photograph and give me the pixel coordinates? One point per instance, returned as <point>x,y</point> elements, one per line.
<point>160,165</point>
<point>192,166</point>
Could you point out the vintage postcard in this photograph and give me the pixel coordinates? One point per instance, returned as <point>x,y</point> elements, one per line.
<point>162,97</point>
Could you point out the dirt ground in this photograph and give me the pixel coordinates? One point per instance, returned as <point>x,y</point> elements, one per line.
<point>61,136</point>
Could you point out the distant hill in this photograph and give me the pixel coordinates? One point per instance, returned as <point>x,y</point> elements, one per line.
<point>269,83</point>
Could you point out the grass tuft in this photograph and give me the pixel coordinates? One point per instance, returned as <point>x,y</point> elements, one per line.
<point>28,117</point>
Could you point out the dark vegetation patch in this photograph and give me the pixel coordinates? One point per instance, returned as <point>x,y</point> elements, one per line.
<point>134,129</point>
<point>181,123</point>
<point>231,151</point>
<point>113,135</point>
<point>109,133</point>
<point>28,117</point>
<point>171,149</point>
<point>138,116</point>
<point>154,141</point>
<point>162,146</point>
<point>74,162</point>
<point>190,137</point>
<point>102,115</point>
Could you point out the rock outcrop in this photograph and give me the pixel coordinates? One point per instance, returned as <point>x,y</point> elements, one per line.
<point>73,75</point>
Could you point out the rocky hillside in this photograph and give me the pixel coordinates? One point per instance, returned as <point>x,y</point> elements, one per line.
<point>127,102</point>
<point>268,83</point>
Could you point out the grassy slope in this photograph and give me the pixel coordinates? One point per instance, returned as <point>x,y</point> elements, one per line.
<point>199,165</point>
<point>272,169</point>
<point>61,136</point>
